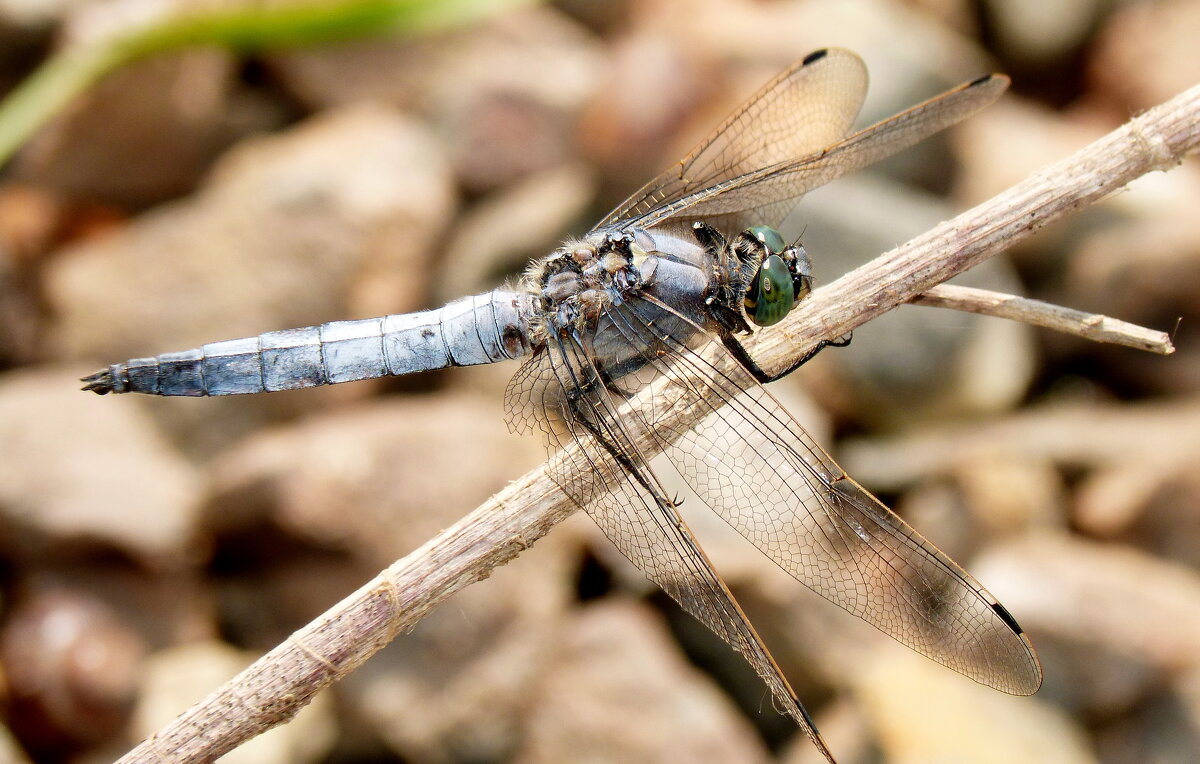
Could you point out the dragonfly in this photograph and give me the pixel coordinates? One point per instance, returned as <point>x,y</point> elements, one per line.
<point>645,317</point>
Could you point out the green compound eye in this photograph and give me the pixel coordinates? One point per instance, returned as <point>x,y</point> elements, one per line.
<point>770,238</point>
<point>771,294</point>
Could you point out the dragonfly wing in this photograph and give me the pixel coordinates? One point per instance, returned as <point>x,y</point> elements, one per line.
<point>765,194</point>
<point>807,108</point>
<point>756,467</point>
<point>596,461</point>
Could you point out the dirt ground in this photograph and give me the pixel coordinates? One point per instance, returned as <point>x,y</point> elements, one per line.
<point>152,547</point>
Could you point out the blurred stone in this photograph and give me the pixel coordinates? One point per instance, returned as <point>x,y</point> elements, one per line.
<point>10,749</point>
<point>1113,499</point>
<point>29,220</point>
<point>703,59</point>
<point>35,13</point>
<point>959,15</point>
<point>1008,495</point>
<point>1141,266</point>
<point>29,223</point>
<point>895,40</point>
<point>274,240</point>
<point>72,471</point>
<point>616,689</point>
<point>1170,526</point>
<point>1092,681</point>
<point>1158,729</point>
<point>1187,685</point>
<point>34,221</point>
<point>1013,138</point>
<point>1005,144</point>
<point>1158,456</point>
<point>177,678</point>
<point>938,510</point>
<point>335,219</point>
<point>1149,218</point>
<point>503,93</point>
<point>1122,448</point>
<point>266,583</point>
<point>1146,53</point>
<point>71,671</point>
<point>499,235</point>
<point>886,375</point>
<point>147,130</point>
<point>142,134</point>
<point>653,86</point>
<point>1078,435</point>
<point>458,687</point>
<point>19,318</point>
<point>1036,32</point>
<point>166,604</point>
<point>301,514</point>
<point>94,21</point>
<point>379,480</point>
<point>950,718</point>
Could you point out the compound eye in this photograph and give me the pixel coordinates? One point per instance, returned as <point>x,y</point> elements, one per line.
<point>771,295</point>
<point>771,239</point>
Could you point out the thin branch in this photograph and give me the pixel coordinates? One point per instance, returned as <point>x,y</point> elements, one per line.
<point>1091,326</point>
<point>1155,140</point>
<point>275,687</point>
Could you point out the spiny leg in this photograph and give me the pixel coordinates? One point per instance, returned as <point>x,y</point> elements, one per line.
<point>749,364</point>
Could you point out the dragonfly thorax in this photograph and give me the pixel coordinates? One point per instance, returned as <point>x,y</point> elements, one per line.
<point>577,283</point>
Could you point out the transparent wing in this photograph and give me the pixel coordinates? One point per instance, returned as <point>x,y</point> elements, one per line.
<point>756,467</point>
<point>596,461</point>
<point>805,109</point>
<point>765,194</point>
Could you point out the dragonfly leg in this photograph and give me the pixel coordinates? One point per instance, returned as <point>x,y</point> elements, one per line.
<point>710,238</point>
<point>581,413</point>
<point>749,364</point>
<point>607,379</point>
<point>720,298</point>
<point>728,318</point>
<point>612,388</point>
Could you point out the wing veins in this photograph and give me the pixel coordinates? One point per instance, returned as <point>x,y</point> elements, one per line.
<point>891,541</point>
<point>634,480</point>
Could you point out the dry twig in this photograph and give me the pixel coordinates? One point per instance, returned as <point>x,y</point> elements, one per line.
<point>275,687</point>
<point>1092,326</point>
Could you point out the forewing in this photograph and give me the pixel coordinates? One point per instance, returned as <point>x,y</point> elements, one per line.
<point>596,460</point>
<point>805,109</point>
<point>754,465</point>
<point>765,195</point>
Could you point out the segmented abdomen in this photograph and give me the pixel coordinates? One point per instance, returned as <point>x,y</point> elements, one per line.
<point>484,328</point>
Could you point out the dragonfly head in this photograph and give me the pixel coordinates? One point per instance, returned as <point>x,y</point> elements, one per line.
<point>783,278</point>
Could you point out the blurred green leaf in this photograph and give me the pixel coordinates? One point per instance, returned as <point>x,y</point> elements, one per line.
<point>252,27</point>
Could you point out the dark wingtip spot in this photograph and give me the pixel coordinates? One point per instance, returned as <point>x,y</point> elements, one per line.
<point>1007,618</point>
<point>816,55</point>
<point>979,80</point>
